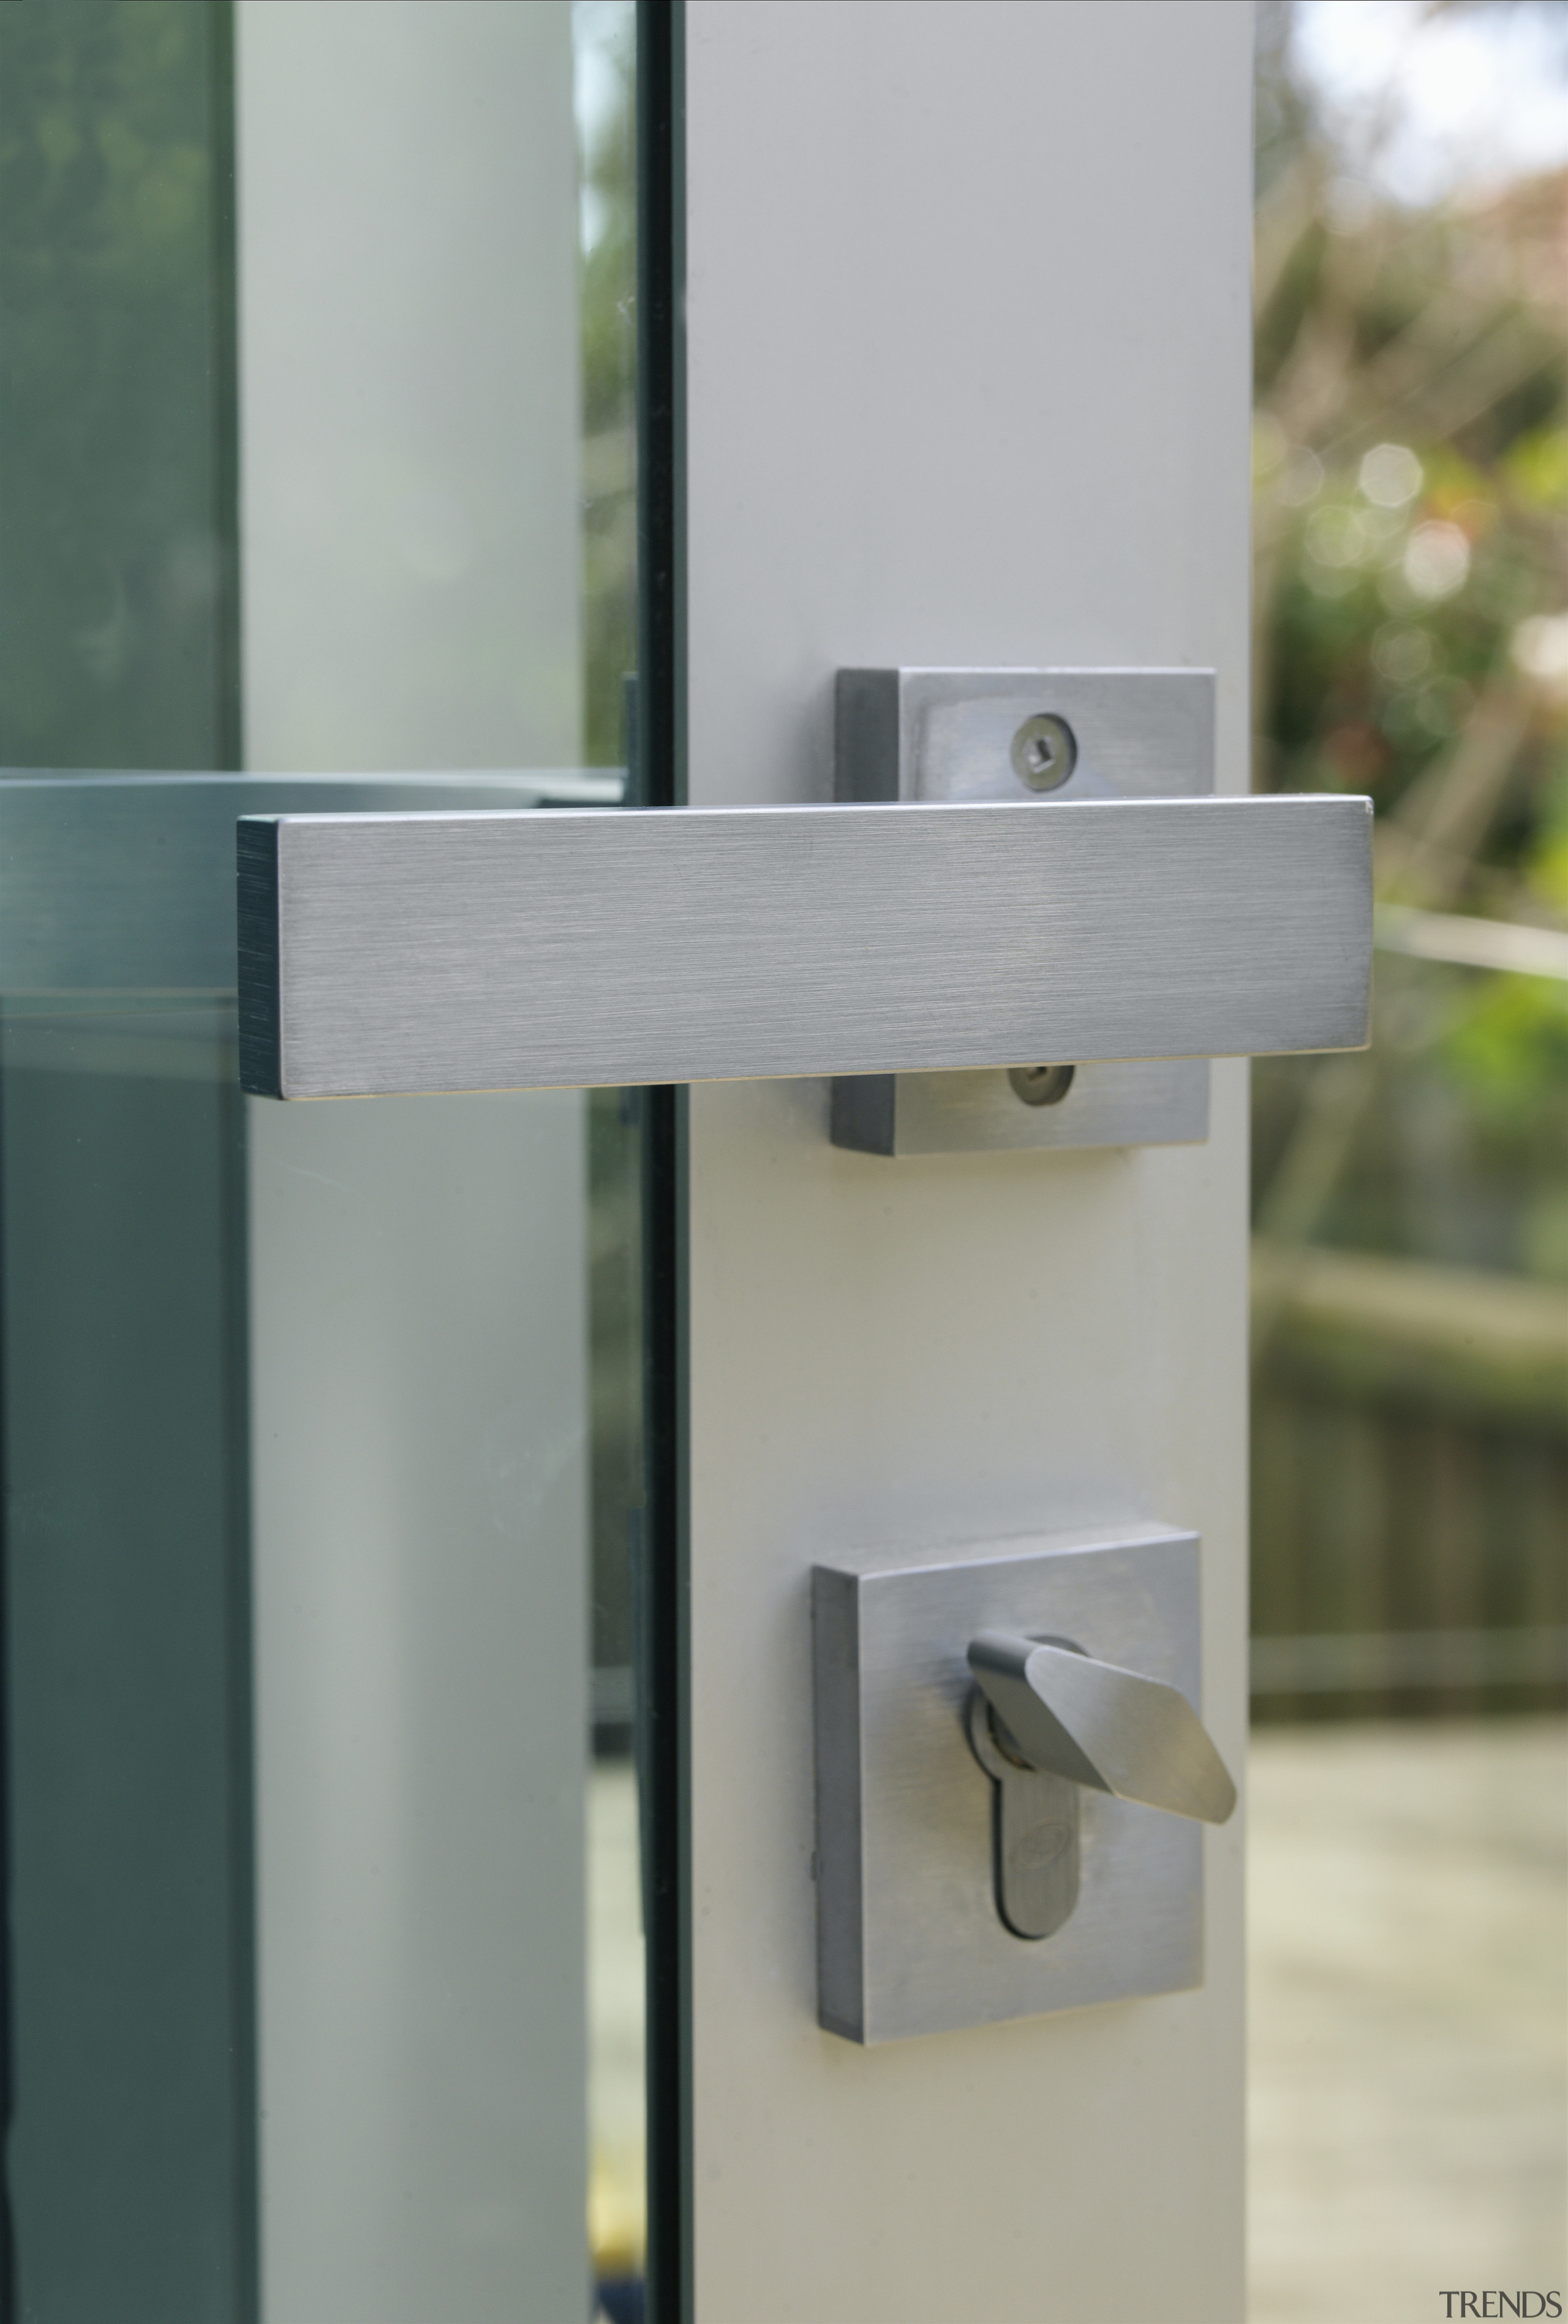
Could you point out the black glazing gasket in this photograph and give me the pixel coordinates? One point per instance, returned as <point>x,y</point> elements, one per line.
<point>661,1586</point>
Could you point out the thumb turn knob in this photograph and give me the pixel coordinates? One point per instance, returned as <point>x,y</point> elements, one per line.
<point>1058,1710</point>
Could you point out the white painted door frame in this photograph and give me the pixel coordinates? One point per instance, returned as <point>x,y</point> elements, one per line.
<point>967,372</point>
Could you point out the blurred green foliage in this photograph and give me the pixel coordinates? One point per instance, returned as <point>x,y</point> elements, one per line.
<point>1411,641</point>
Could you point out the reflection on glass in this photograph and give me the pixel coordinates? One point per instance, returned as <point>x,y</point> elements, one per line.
<point>321,1424</point>
<point>605,64</point>
<point>117,635</point>
<point>131,2132</point>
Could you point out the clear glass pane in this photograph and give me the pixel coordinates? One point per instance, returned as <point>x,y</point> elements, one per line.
<point>321,1424</point>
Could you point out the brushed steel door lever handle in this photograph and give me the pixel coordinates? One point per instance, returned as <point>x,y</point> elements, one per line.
<point>949,917</point>
<point>1109,1728</point>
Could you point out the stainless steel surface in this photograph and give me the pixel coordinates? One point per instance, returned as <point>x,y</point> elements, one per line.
<point>1096,1724</point>
<point>950,735</point>
<point>945,734</point>
<point>1162,1102</point>
<point>910,1940</point>
<point>467,952</point>
<point>1035,1832</point>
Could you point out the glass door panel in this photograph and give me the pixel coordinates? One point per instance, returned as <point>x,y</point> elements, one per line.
<point>322,1430</point>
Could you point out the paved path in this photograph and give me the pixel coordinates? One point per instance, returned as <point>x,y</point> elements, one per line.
<point>1409,2067</point>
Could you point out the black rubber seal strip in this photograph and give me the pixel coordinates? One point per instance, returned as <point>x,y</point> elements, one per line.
<point>659,756</point>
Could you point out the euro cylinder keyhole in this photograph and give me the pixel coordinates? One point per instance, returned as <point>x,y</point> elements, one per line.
<point>1045,752</point>
<point>1034,1830</point>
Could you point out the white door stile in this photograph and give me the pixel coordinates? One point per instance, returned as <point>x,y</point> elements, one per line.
<point>967,383</point>
<point>412,521</point>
